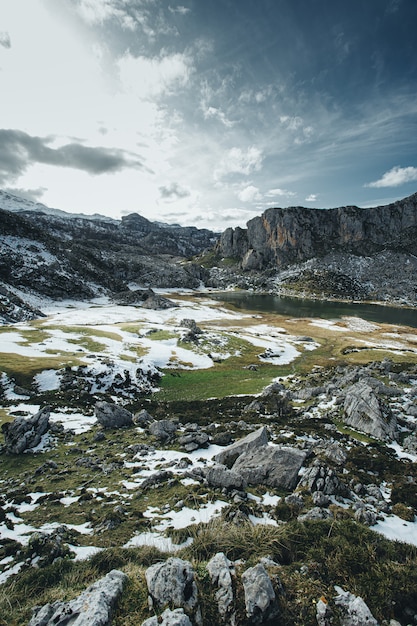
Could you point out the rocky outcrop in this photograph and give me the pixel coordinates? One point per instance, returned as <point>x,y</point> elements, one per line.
<point>112,416</point>
<point>260,600</point>
<point>364,411</point>
<point>254,440</point>
<point>92,608</point>
<point>280,237</point>
<point>354,610</point>
<point>221,477</point>
<point>172,583</point>
<point>25,433</point>
<point>272,466</point>
<point>220,569</point>
<point>177,617</point>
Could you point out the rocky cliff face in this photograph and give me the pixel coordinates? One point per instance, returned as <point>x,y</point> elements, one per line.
<point>281,237</point>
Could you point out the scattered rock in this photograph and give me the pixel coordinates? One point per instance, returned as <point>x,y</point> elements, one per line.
<point>220,569</point>
<point>172,582</point>
<point>366,413</point>
<point>321,478</point>
<point>92,608</point>
<point>25,433</point>
<point>354,610</point>
<point>254,440</point>
<point>112,416</point>
<point>260,600</point>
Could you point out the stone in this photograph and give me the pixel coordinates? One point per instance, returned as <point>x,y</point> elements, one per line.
<point>272,466</point>
<point>316,513</point>
<point>323,613</point>
<point>254,440</point>
<point>260,600</point>
<point>221,477</point>
<point>93,607</point>
<point>320,499</point>
<point>163,429</point>
<point>366,413</point>
<point>319,477</point>
<point>193,440</point>
<point>177,617</point>
<point>112,416</point>
<point>365,516</point>
<point>25,433</point>
<point>354,610</point>
<point>172,582</point>
<point>143,418</point>
<point>219,567</point>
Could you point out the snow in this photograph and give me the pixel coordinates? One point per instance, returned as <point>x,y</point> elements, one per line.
<point>401,453</point>
<point>397,529</point>
<point>77,422</point>
<point>156,540</point>
<point>186,516</point>
<point>48,380</point>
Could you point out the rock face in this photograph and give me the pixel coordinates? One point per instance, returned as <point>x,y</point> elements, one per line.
<point>365,412</point>
<point>112,416</point>
<point>24,434</point>
<point>354,610</point>
<point>92,608</point>
<point>260,601</point>
<point>272,466</point>
<point>172,582</point>
<point>280,237</point>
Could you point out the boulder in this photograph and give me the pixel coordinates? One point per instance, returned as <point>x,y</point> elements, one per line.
<point>323,613</point>
<point>219,568</point>
<point>321,478</point>
<point>365,412</point>
<point>224,478</point>
<point>272,466</point>
<point>254,440</point>
<point>25,433</point>
<point>177,617</point>
<point>172,582</point>
<point>112,416</point>
<point>163,429</point>
<point>191,441</point>
<point>260,600</point>
<point>92,608</point>
<point>314,514</point>
<point>354,611</point>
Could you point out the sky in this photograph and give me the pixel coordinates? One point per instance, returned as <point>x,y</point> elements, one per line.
<point>207,112</point>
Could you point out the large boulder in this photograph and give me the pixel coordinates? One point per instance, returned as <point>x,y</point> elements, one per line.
<point>272,466</point>
<point>365,412</point>
<point>163,429</point>
<point>112,416</point>
<point>25,433</point>
<point>260,600</point>
<point>254,440</point>
<point>224,478</point>
<point>92,608</point>
<point>172,583</point>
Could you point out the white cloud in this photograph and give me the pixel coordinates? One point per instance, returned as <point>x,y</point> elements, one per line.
<point>249,194</point>
<point>151,77</point>
<point>395,177</point>
<point>99,11</point>
<point>238,161</point>
<point>179,9</point>
<point>292,123</point>
<point>5,40</point>
<point>273,193</point>
<point>311,198</point>
<point>213,112</point>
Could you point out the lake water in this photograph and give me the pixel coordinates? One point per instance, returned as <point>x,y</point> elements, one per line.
<point>295,307</point>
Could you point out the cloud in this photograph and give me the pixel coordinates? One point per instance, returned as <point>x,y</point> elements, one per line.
<point>152,77</point>
<point>18,151</point>
<point>273,193</point>
<point>5,40</point>
<point>179,9</point>
<point>29,194</point>
<point>217,113</point>
<point>395,177</point>
<point>249,194</point>
<point>100,11</point>
<point>311,198</point>
<point>238,161</point>
<point>173,192</point>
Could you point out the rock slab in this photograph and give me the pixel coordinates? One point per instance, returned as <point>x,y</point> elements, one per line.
<point>92,608</point>
<point>273,466</point>
<point>112,416</point>
<point>355,611</point>
<point>177,617</point>
<point>254,440</point>
<point>172,582</point>
<point>365,412</point>
<point>260,600</point>
<point>26,433</point>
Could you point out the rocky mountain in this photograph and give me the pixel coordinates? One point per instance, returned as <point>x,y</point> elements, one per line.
<point>347,252</point>
<point>57,255</point>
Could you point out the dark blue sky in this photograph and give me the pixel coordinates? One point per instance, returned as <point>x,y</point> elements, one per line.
<point>209,111</point>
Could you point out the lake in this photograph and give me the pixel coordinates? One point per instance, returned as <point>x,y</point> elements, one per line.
<point>297,307</point>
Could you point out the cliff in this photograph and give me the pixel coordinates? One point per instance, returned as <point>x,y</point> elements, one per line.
<point>282,237</point>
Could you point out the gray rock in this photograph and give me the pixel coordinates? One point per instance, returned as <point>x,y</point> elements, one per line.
<point>172,582</point>
<point>323,613</point>
<point>219,568</point>
<point>177,617</point>
<point>321,478</point>
<point>272,466</point>
<point>143,418</point>
<point>224,478</point>
<point>316,513</point>
<point>410,443</point>
<point>365,516</point>
<point>260,600</point>
<point>320,499</point>
<point>254,440</point>
<point>333,452</point>
<point>92,608</point>
<point>25,433</point>
<point>354,610</point>
<point>112,416</point>
<point>163,429</point>
<point>365,412</point>
<point>194,440</point>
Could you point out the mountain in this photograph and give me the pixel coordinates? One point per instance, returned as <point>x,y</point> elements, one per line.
<point>58,255</point>
<point>346,252</point>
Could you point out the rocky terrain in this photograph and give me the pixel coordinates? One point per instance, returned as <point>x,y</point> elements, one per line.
<point>343,253</point>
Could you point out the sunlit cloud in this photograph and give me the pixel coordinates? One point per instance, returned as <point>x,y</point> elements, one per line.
<point>249,194</point>
<point>395,177</point>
